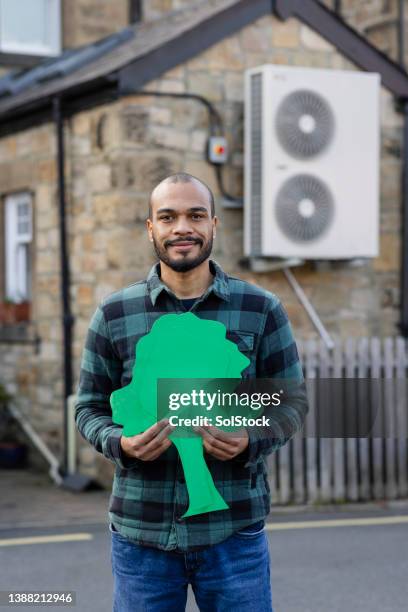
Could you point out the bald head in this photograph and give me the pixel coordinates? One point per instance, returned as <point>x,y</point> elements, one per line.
<point>182,177</point>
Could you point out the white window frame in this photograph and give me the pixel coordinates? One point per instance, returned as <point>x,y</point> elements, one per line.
<point>51,47</point>
<point>17,254</point>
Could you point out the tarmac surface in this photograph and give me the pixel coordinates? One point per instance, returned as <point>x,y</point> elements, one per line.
<point>323,559</point>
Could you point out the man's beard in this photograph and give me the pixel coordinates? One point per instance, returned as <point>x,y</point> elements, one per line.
<point>183,265</point>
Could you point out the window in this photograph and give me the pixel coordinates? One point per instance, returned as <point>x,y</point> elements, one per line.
<point>30,27</point>
<point>18,234</point>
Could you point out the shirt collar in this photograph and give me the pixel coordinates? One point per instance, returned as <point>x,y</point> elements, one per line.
<point>219,285</point>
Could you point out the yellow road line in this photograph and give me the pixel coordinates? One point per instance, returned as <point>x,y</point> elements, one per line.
<point>354,522</point>
<point>68,537</point>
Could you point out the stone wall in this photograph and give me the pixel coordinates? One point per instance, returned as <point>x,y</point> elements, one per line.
<point>85,21</point>
<point>377,20</point>
<point>33,373</point>
<point>151,9</point>
<point>143,138</point>
<point>117,153</point>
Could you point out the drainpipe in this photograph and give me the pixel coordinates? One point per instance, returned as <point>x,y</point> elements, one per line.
<point>401,33</point>
<point>404,234</point>
<point>67,318</point>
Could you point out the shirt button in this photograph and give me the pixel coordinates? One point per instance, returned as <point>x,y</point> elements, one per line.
<point>179,519</point>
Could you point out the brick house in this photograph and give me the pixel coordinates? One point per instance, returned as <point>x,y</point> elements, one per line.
<point>131,115</point>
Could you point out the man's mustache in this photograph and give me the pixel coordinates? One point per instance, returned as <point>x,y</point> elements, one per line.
<point>182,240</point>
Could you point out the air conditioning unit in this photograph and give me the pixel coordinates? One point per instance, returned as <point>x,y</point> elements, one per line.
<point>312,149</point>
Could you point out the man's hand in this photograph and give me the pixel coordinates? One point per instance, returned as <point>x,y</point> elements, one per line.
<point>221,445</point>
<point>150,444</point>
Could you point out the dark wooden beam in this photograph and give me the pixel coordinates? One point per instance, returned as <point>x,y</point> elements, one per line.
<point>103,92</point>
<point>347,40</point>
<point>192,43</point>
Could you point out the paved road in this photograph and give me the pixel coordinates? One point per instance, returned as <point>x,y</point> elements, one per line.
<point>317,565</point>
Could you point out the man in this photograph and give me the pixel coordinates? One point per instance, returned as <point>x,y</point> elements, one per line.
<point>155,553</point>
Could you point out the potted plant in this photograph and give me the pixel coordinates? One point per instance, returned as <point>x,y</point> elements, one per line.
<point>13,454</point>
<point>12,311</point>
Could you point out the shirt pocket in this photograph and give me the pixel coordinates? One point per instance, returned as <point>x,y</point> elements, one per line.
<point>244,340</point>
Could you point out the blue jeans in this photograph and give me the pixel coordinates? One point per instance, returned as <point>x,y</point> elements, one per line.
<point>232,576</point>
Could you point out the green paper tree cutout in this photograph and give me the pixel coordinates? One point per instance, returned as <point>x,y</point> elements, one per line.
<point>179,346</point>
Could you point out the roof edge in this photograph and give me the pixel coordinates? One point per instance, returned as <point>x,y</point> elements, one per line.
<point>347,40</point>
<point>129,74</point>
<point>186,41</point>
<point>199,38</point>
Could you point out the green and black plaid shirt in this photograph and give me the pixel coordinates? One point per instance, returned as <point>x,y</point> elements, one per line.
<point>148,498</point>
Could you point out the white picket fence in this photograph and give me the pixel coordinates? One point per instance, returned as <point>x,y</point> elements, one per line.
<point>313,469</point>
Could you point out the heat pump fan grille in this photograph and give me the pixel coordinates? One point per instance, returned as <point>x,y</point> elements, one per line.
<point>304,124</point>
<point>304,208</point>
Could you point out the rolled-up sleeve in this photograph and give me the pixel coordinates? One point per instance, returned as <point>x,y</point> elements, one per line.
<point>100,375</point>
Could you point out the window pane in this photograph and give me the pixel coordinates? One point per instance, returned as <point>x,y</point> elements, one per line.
<point>22,268</point>
<point>23,227</point>
<point>23,221</point>
<point>22,209</point>
<point>30,26</point>
<point>24,21</point>
<point>17,239</point>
